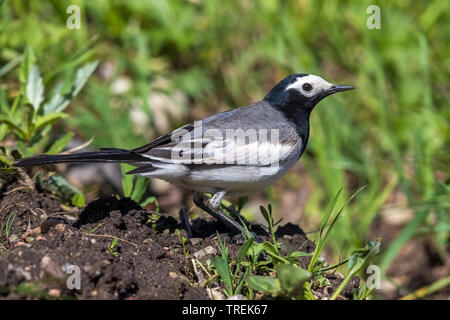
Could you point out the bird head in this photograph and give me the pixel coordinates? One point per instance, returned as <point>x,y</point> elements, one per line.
<point>302,90</point>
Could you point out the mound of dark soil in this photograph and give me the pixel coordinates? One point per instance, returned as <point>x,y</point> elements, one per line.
<point>115,248</point>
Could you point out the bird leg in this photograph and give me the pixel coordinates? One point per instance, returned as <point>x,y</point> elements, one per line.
<point>216,213</point>
<point>185,222</point>
<point>216,200</point>
<point>237,216</point>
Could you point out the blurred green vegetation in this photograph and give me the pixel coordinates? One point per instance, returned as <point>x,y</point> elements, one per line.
<point>198,57</point>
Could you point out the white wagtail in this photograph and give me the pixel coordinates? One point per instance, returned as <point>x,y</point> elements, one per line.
<point>233,152</point>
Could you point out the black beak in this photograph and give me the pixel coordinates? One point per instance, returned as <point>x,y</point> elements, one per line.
<point>333,89</point>
<point>338,88</point>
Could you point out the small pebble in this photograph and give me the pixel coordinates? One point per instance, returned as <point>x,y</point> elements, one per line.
<point>215,294</point>
<point>60,227</point>
<point>54,293</point>
<point>209,250</point>
<point>51,268</point>
<point>195,241</point>
<point>238,297</point>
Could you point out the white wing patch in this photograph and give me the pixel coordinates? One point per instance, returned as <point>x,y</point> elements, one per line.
<point>221,151</point>
<point>235,167</point>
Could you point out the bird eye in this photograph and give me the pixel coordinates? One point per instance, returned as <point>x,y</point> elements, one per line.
<point>307,87</point>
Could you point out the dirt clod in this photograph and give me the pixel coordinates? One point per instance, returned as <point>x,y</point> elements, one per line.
<point>113,250</point>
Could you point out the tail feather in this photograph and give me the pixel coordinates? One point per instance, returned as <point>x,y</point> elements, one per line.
<point>104,155</point>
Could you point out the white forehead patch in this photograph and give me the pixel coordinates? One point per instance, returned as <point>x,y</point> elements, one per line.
<point>317,83</point>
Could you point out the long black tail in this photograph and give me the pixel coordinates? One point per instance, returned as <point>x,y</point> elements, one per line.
<point>104,155</point>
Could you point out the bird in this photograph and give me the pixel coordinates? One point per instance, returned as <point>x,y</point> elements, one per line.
<point>235,152</point>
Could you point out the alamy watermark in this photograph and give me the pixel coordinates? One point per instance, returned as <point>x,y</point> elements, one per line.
<point>374,20</point>
<point>73,281</point>
<point>374,279</point>
<point>74,19</point>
